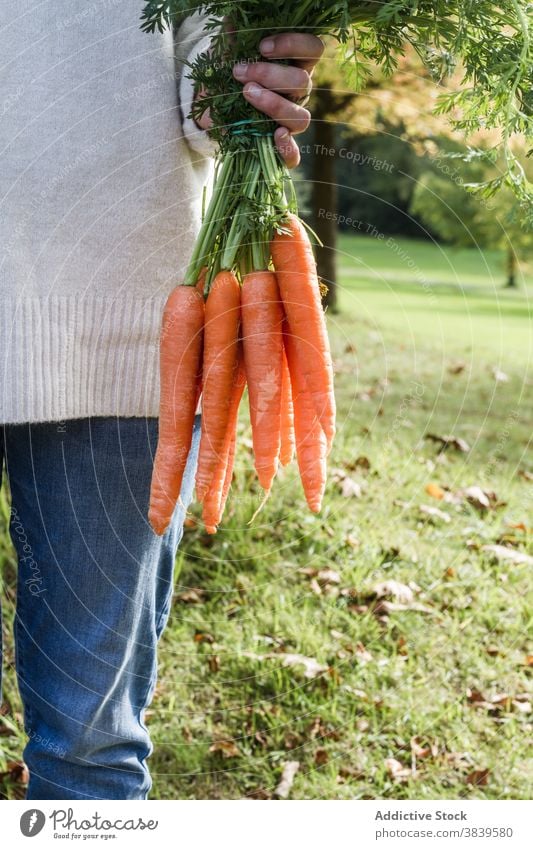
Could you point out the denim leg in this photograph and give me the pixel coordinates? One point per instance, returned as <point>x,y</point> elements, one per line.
<point>93,596</point>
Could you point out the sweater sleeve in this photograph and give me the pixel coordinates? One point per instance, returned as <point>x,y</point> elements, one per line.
<point>190,41</point>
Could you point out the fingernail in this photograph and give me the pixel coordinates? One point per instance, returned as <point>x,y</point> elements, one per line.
<point>283,135</point>
<point>239,70</point>
<point>267,45</point>
<point>253,90</point>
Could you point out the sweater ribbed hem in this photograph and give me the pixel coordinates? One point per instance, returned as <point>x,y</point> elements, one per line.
<point>79,356</point>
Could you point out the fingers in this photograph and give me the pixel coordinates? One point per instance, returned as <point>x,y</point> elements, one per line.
<point>287,147</point>
<point>304,49</point>
<point>290,115</point>
<point>286,79</point>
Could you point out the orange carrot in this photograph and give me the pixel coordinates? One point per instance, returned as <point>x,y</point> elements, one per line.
<point>240,384</point>
<point>311,443</point>
<point>180,359</point>
<point>215,500</point>
<point>298,285</point>
<point>286,452</point>
<point>221,334</point>
<point>200,287</point>
<point>262,318</point>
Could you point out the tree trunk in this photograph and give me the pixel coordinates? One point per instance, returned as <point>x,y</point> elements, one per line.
<point>511,268</point>
<point>324,195</point>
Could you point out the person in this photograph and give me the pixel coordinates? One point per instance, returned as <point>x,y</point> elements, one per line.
<point>101,174</point>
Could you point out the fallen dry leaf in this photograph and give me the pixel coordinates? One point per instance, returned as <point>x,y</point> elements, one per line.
<point>481,499</point>
<point>359,694</point>
<point>311,666</point>
<point>458,760</point>
<point>261,739</point>
<point>321,730</point>
<point>423,751</point>
<point>477,497</point>
<point>352,541</point>
<point>479,777</point>
<point>449,441</point>
<point>213,663</point>
<point>323,577</point>
<point>315,587</point>
<point>499,375</point>
<point>328,576</point>
<point>5,731</point>
<point>493,651</point>
<point>387,607</point>
<point>315,728</point>
<point>519,526</point>
<point>290,768</point>
<point>17,771</point>
<point>227,748</point>
<point>292,740</point>
<point>359,463</point>
<point>349,773</point>
<point>435,491</point>
<point>201,637</point>
<point>508,555</point>
<point>362,654</point>
<point>500,702</point>
<point>258,793</point>
<point>195,595</point>
<point>474,695</point>
<point>377,602</point>
<point>435,513</point>
<point>321,757</point>
<point>395,590</point>
<point>397,771</point>
<point>350,488</point>
<point>402,645</point>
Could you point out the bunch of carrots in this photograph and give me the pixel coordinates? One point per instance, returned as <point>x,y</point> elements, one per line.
<point>265,330</point>
<point>249,311</point>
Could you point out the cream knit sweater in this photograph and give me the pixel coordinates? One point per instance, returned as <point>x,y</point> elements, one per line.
<point>101,177</point>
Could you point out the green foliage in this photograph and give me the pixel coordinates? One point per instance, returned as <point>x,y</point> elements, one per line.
<point>443,202</point>
<point>491,41</point>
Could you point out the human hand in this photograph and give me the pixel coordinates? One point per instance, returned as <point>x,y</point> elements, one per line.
<point>280,91</point>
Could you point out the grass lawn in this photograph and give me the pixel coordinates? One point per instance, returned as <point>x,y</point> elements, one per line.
<point>416,688</point>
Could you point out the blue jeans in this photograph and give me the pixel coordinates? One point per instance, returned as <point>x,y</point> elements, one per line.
<point>94,594</point>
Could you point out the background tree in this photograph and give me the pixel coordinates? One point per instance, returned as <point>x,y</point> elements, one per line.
<point>387,123</point>
<point>455,216</point>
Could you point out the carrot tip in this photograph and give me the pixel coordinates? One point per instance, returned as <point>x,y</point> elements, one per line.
<point>211,529</point>
<point>158,527</point>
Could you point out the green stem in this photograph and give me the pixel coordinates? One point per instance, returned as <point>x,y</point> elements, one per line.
<point>218,198</point>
